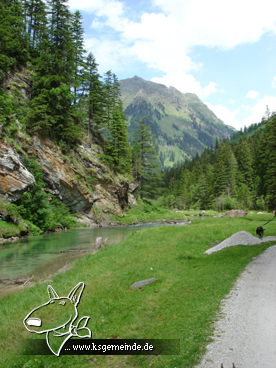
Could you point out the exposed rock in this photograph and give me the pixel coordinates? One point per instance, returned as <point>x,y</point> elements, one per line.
<point>60,177</point>
<point>79,180</point>
<point>86,220</point>
<point>236,213</point>
<point>143,282</point>
<point>19,80</point>
<point>240,238</point>
<point>213,244</point>
<point>15,179</point>
<point>132,192</point>
<point>99,243</point>
<point>202,213</point>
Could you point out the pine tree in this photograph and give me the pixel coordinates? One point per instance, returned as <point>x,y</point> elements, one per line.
<point>52,111</point>
<point>35,18</point>
<point>92,94</point>
<point>109,102</point>
<point>149,159</point>
<point>245,163</point>
<point>78,51</point>
<point>225,170</point>
<point>13,38</point>
<point>270,162</point>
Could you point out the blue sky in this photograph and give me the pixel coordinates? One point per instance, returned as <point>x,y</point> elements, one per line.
<point>223,51</point>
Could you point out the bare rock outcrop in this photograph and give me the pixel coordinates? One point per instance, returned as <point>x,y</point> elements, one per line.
<point>15,179</point>
<point>236,213</point>
<point>79,179</point>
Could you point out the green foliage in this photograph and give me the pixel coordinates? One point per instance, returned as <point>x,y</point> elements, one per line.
<point>33,229</point>
<point>10,209</point>
<point>13,50</point>
<point>145,160</point>
<point>35,200</point>
<point>8,229</point>
<point>60,214</point>
<point>239,173</point>
<point>182,303</point>
<point>67,93</point>
<point>33,363</point>
<point>37,207</point>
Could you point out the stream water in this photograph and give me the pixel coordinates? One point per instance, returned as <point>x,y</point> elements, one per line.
<point>40,255</point>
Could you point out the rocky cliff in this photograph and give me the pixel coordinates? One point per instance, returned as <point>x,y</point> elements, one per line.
<point>79,178</point>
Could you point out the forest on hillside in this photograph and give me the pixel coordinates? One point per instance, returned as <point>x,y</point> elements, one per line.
<point>236,173</point>
<point>69,100</point>
<point>50,86</point>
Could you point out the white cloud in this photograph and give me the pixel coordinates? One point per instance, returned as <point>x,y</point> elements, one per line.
<point>252,94</point>
<point>164,41</point>
<point>256,112</point>
<point>180,25</point>
<point>227,116</point>
<point>186,83</point>
<point>183,82</point>
<point>109,54</point>
<point>220,23</point>
<point>111,12</point>
<point>209,89</point>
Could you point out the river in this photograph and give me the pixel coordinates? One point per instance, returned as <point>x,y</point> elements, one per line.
<point>41,255</point>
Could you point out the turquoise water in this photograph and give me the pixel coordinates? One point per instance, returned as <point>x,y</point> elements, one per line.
<point>40,256</point>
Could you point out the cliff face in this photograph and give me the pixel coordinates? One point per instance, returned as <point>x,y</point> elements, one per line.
<point>15,179</point>
<point>79,178</point>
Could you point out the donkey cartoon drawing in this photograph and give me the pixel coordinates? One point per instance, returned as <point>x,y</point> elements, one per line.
<point>42,319</point>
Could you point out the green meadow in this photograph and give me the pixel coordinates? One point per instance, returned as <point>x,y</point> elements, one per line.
<point>182,304</point>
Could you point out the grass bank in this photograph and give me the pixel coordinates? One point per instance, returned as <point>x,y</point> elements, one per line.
<point>145,212</point>
<point>182,303</point>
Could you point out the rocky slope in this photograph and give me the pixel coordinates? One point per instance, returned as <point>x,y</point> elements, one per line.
<point>78,179</point>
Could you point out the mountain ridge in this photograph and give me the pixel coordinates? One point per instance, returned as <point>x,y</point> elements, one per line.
<point>182,124</point>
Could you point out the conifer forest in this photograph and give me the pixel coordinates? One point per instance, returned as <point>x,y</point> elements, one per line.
<point>70,101</point>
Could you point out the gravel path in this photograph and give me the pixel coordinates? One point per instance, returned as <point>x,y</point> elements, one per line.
<point>246,333</point>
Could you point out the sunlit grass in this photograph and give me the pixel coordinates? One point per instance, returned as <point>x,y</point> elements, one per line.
<point>182,303</point>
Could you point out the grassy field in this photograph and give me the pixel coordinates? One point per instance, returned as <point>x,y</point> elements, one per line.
<point>182,304</point>
<point>145,212</point>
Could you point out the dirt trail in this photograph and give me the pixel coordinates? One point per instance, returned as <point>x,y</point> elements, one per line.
<point>246,333</point>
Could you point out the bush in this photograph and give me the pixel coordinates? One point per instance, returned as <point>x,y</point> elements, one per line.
<point>33,229</point>
<point>261,205</point>
<point>60,214</point>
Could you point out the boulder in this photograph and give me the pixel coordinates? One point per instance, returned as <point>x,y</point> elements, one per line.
<point>15,179</point>
<point>143,282</point>
<point>99,243</point>
<point>236,213</point>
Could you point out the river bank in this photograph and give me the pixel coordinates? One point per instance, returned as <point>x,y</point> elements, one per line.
<point>138,214</point>
<point>46,254</point>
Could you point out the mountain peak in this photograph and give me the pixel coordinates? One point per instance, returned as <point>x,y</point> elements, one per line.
<point>182,124</point>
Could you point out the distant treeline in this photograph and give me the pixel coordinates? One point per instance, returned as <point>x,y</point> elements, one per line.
<point>236,173</point>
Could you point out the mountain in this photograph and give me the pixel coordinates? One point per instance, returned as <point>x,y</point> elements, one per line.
<point>182,124</point>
